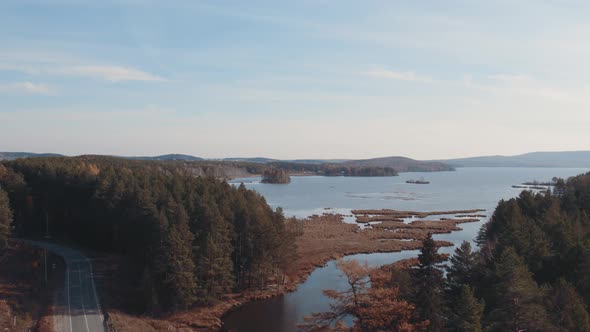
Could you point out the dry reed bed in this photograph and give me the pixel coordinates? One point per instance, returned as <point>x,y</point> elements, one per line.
<point>409,214</point>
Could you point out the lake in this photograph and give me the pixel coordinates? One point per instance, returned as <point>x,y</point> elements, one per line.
<point>465,188</point>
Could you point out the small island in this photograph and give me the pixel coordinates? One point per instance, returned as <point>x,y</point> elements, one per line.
<point>278,176</point>
<point>421,181</point>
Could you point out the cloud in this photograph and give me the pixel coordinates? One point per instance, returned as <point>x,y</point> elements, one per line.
<point>526,85</point>
<point>498,84</point>
<point>27,87</point>
<point>408,76</point>
<point>109,73</point>
<point>65,65</point>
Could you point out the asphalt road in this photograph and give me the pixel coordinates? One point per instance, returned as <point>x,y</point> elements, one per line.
<point>77,306</point>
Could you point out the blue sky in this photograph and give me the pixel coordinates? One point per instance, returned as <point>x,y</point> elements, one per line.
<point>305,79</point>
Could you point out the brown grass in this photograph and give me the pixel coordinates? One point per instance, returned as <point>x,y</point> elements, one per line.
<point>409,214</point>
<point>366,219</point>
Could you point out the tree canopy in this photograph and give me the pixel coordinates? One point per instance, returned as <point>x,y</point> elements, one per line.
<point>189,239</point>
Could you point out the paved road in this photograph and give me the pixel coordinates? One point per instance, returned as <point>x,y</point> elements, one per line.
<point>77,307</point>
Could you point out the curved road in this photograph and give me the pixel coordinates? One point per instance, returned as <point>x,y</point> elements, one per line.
<point>77,307</point>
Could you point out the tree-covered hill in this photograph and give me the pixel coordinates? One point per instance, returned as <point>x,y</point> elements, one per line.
<point>242,167</point>
<point>400,164</point>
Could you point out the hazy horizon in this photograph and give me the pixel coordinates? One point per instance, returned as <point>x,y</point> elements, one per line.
<point>302,158</point>
<point>314,80</point>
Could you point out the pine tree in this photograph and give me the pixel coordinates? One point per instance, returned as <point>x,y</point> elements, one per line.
<point>214,263</point>
<point>519,302</point>
<point>462,268</point>
<point>180,277</point>
<point>466,312</point>
<point>5,219</point>
<point>429,286</point>
<point>568,310</point>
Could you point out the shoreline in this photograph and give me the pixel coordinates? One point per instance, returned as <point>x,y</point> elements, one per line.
<point>324,238</point>
<point>338,239</point>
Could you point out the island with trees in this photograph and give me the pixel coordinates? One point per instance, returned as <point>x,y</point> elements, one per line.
<point>278,176</point>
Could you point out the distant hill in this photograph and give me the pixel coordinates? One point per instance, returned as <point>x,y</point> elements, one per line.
<point>400,164</point>
<point>252,160</point>
<point>16,155</point>
<point>169,157</point>
<point>297,161</point>
<point>317,161</point>
<point>533,159</point>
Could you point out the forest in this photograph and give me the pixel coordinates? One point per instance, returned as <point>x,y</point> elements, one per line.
<point>188,239</point>
<point>531,273</point>
<point>333,169</point>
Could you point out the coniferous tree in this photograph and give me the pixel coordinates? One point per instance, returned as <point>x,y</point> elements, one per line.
<point>519,300</point>
<point>429,298</point>
<point>568,310</point>
<point>214,263</point>
<point>5,219</point>
<point>466,311</point>
<point>461,269</point>
<point>582,275</point>
<point>180,267</point>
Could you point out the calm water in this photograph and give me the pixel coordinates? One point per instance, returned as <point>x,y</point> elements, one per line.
<point>466,188</point>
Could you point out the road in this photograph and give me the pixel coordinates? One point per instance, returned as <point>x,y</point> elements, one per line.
<point>77,306</point>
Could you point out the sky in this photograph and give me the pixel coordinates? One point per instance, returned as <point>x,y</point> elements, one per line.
<point>295,79</point>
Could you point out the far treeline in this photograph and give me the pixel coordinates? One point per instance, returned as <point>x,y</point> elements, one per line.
<point>228,168</point>
<point>188,239</point>
<point>531,273</point>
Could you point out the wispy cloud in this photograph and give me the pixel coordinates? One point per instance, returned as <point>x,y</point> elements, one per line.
<point>408,76</point>
<point>498,84</point>
<point>529,86</point>
<point>63,65</point>
<point>109,73</point>
<point>27,87</point>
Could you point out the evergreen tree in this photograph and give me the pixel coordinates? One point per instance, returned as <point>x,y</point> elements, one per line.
<point>5,219</point>
<point>567,308</point>
<point>582,275</point>
<point>214,264</point>
<point>466,312</point>
<point>429,286</point>
<point>461,269</point>
<point>180,277</point>
<point>519,301</point>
